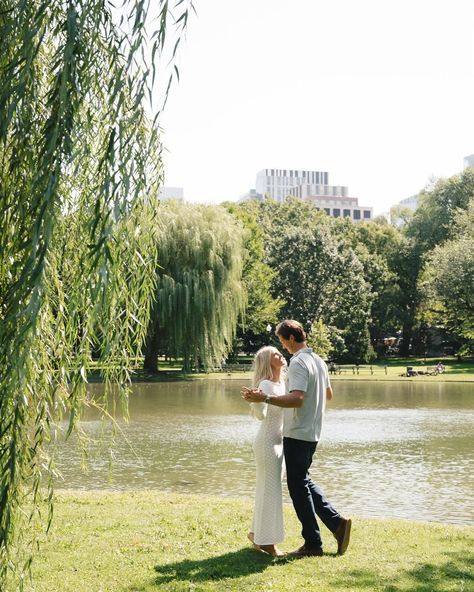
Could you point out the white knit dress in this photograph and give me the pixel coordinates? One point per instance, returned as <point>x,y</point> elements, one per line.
<point>267,524</point>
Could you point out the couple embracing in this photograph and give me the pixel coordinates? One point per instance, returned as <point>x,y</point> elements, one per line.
<point>291,417</point>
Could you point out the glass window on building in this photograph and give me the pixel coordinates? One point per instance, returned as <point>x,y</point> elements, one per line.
<point>328,211</point>
<point>336,212</point>
<point>356,214</point>
<point>347,214</point>
<point>366,214</point>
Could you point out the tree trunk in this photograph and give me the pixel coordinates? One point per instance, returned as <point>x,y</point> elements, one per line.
<point>150,362</point>
<point>407,334</point>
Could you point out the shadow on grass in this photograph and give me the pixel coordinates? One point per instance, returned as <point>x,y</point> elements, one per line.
<point>455,573</point>
<point>460,370</point>
<point>458,569</point>
<point>237,564</point>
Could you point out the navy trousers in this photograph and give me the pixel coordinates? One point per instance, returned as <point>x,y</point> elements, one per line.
<point>308,499</point>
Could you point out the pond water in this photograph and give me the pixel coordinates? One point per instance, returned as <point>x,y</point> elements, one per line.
<point>388,449</point>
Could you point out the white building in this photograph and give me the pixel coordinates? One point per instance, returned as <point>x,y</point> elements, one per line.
<point>171,193</point>
<point>277,182</point>
<point>334,200</point>
<point>410,202</point>
<point>251,194</point>
<point>469,161</point>
<point>310,186</point>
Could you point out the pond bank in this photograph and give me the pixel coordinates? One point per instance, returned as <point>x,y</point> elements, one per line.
<point>378,376</point>
<point>392,369</point>
<point>147,541</point>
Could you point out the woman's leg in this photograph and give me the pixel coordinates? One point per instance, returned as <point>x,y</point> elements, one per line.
<point>267,525</point>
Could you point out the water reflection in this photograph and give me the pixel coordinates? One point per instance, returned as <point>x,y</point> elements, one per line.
<point>389,449</point>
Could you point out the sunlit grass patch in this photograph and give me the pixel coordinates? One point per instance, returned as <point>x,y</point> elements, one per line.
<point>150,541</point>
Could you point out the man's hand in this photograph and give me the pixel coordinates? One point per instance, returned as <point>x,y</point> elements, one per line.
<point>291,400</point>
<point>252,395</point>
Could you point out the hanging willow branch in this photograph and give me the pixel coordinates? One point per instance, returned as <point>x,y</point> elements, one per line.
<point>78,157</point>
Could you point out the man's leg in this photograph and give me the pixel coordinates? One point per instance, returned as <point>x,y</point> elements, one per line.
<point>323,508</point>
<point>298,457</point>
<point>339,526</point>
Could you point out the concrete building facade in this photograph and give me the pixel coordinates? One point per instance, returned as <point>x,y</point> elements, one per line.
<point>410,202</point>
<point>278,182</point>
<point>334,200</point>
<point>171,193</point>
<point>469,161</point>
<point>310,186</point>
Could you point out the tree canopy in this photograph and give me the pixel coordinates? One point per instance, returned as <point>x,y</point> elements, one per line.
<point>448,281</point>
<point>434,222</point>
<point>435,218</point>
<point>262,309</point>
<point>377,245</point>
<point>316,273</point>
<point>199,294</point>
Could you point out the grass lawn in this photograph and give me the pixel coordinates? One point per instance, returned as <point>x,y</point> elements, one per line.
<point>150,541</point>
<point>394,368</point>
<point>388,369</point>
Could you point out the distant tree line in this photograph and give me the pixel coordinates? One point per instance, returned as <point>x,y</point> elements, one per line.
<point>226,274</point>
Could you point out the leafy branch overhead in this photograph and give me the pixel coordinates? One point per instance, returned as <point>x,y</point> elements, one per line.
<point>80,156</point>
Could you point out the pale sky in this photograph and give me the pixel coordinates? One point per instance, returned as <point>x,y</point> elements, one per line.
<point>379,93</point>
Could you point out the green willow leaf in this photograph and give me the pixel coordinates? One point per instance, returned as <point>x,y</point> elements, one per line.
<point>80,161</point>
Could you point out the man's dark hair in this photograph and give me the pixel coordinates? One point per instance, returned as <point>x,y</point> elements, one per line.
<point>289,327</point>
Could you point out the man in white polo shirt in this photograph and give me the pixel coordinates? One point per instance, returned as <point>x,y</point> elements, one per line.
<point>308,388</point>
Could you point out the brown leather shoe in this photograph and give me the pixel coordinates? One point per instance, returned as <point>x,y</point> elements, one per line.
<point>343,535</point>
<point>304,552</point>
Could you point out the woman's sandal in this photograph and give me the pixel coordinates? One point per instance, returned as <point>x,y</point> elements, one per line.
<point>267,549</point>
<point>272,550</point>
<point>255,546</point>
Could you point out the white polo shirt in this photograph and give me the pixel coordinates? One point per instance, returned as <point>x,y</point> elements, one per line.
<point>307,373</point>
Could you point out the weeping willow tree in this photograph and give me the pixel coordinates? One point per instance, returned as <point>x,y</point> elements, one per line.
<point>78,157</point>
<point>199,292</point>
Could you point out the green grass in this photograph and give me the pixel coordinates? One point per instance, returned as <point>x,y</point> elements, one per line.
<point>394,368</point>
<point>387,369</point>
<point>150,541</point>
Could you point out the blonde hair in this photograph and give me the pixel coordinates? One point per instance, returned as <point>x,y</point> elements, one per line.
<point>262,368</point>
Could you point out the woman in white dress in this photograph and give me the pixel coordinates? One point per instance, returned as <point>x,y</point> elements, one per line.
<point>267,524</point>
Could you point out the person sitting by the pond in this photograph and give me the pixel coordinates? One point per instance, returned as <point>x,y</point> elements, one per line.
<point>267,524</point>
<point>308,388</point>
<point>332,367</point>
<point>439,368</point>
